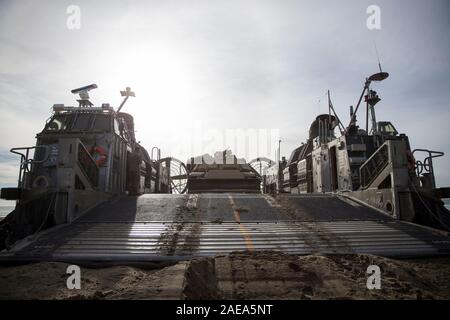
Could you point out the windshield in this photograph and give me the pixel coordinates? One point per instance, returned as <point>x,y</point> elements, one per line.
<point>58,123</point>
<point>387,128</point>
<point>79,122</point>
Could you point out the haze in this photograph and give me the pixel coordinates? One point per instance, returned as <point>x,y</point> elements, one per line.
<point>225,65</point>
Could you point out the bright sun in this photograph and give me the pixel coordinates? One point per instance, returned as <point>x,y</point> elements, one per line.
<point>165,87</point>
<point>163,82</point>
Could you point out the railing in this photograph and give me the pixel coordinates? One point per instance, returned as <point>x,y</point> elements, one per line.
<point>88,165</point>
<point>426,166</point>
<point>370,169</point>
<point>158,154</point>
<point>26,163</point>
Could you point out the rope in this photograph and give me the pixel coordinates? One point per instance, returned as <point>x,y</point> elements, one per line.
<point>425,205</point>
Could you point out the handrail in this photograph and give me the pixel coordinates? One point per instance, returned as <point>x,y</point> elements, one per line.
<point>371,168</point>
<point>25,163</point>
<point>427,163</point>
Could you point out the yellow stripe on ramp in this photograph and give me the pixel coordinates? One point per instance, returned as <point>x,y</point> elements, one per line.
<point>242,228</point>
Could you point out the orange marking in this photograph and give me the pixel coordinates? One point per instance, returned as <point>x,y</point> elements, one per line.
<point>242,228</point>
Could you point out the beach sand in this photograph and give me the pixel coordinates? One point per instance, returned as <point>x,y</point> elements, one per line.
<point>240,275</point>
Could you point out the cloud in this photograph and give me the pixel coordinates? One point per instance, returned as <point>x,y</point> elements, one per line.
<point>226,65</point>
<point>9,173</point>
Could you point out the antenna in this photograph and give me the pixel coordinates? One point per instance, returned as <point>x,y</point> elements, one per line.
<point>331,108</point>
<point>378,56</point>
<point>126,93</point>
<point>84,95</point>
<point>319,102</point>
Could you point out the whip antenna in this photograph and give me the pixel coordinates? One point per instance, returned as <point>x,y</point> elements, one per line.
<point>378,56</point>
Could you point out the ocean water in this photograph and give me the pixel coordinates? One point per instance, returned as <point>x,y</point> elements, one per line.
<point>6,207</point>
<point>447,203</point>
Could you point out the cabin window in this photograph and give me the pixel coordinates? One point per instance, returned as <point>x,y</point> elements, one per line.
<point>102,123</point>
<point>77,122</point>
<point>92,122</point>
<point>387,128</point>
<point>56,124</point>
<point>82,122</point>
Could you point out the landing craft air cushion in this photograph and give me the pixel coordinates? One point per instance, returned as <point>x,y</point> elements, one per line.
<point>83,156</point>
<point>376,167</point>
<point>91,192</point>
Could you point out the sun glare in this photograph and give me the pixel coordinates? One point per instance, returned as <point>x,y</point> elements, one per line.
<point>166,90</point>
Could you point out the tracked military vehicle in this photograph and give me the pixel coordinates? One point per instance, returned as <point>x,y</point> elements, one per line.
<point>222,173</point>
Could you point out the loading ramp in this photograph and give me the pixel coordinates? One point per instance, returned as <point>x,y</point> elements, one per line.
<point>164,227</point>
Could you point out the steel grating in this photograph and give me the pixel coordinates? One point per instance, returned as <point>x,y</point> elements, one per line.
<point>191,232</point>
<point>143,241</point>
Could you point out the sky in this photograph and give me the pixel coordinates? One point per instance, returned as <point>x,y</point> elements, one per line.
<point>207,70</point>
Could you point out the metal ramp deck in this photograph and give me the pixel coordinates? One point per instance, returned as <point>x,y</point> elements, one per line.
<point>157,227</point>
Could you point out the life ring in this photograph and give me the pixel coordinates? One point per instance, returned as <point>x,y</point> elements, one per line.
<point>99,154</point>
<point>40,182</point>
<point>411,161</point>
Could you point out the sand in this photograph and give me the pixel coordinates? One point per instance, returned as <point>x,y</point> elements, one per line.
<point>240,275</point>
